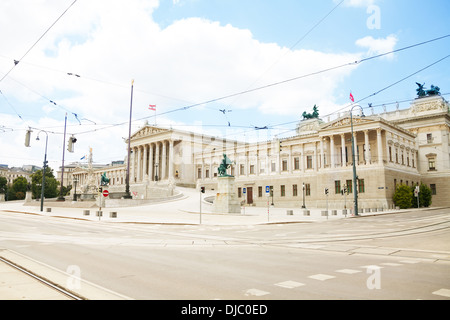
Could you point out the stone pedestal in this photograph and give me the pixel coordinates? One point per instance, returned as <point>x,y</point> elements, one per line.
<point>226,199</point>
<point>29,196</point>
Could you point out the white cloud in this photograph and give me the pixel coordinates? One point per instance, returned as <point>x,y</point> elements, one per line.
<point>378,46</point>
<point>193,60</point>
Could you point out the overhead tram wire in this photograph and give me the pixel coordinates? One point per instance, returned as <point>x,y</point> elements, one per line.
<point>279,83</point>
<point>16,62</point>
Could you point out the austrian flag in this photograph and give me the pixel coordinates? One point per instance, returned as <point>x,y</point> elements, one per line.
<point>152,107</point>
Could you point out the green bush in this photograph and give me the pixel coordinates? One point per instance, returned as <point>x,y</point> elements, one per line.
<point>403,196</point>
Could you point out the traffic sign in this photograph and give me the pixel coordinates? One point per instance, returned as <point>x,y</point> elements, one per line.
<point>105,193</point>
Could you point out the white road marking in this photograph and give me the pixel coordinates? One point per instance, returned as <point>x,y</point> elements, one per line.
<point>256,292</point>
<point>289,284</point>
<point>443,292</point>
<point>348,271</point>
<point>321,277</point>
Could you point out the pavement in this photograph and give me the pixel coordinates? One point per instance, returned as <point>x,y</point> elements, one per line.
<point>15,285</point>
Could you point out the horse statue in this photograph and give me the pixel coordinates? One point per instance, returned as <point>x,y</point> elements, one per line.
<point>224,165</point>
<point>314,115</point>
<point>104,180</point>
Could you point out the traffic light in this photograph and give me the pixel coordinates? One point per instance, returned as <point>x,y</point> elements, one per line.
<point>70,146</point>
<point>28,138</point>
<point>202,189</point>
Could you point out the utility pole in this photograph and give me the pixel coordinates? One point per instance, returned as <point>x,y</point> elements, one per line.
<point>61,196</point>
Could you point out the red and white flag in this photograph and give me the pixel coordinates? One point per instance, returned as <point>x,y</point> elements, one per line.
<point>152,107</point>
<point>351,97</point>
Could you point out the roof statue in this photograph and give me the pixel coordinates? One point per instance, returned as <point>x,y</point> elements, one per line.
<point>422,92</point>
<point>314,115</point>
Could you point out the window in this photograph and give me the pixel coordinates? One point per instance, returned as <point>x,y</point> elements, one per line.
<point>337,187</point>
<point>431,164</point>
<point>285,165</point>
<point>349,186</point>
<point>294,190</point>
<point>283,191</point>
<point>296,163</point>
<point>433,189</point>
<point>307,189</point>
<point>309,164</point>
<point>361,186</point>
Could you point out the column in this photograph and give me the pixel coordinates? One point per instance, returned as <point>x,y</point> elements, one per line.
<point>343,161</point>
<point>332,152</point>
<point>322,158</point>
<point>163,160</point>
<point>132,165</point>
<point>171,159</point>
<point>150,162</point>
<point>144,165</point>
<point>157,161</point>
<point>380,146</point>
<point>367,147</point>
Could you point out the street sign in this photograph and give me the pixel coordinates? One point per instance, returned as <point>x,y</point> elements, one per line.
<point>105,193</point>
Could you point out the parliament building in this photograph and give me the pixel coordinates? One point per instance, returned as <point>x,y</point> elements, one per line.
<point>409,146</point>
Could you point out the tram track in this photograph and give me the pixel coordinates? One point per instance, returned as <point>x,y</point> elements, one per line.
<point>45,282</point>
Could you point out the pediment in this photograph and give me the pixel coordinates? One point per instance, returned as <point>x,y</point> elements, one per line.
<point>346,121</point>
<point>148,131</point>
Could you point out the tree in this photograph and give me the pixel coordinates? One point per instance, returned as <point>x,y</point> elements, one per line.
<point>403,197</point>
<point>3,184</point>
<point>51,185</point>
<point>425,196</point>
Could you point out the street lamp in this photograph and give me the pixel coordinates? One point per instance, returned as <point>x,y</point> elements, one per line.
<point>45,167</point>
<point>355,177</point>
<point>303,206</point>
<point>75,181</point>
<point>127,179</point>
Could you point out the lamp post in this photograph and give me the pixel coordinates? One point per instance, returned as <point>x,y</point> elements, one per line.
<point>355,177</point>
<point>303,206</point>
<point>75,181</point>
<point>61,196</point>
<point>45,167</point>
<point>127,179</point>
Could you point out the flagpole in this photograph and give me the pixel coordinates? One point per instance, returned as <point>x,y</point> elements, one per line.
<point>127,179</point>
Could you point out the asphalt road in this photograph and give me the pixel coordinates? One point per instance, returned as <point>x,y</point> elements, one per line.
<point>395,256</point>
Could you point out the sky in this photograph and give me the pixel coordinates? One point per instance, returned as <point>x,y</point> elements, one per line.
<point>220,67</point>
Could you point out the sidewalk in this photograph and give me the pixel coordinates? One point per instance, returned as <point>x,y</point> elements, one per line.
<point>185,210</point>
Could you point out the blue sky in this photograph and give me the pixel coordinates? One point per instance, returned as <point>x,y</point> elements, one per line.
<point>184,52</point>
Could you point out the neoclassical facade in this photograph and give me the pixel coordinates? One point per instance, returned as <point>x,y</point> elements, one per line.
<point>401,147</point>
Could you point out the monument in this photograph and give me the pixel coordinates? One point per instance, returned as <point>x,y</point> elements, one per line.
<point>89,189</point>
<point>226,200</point>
